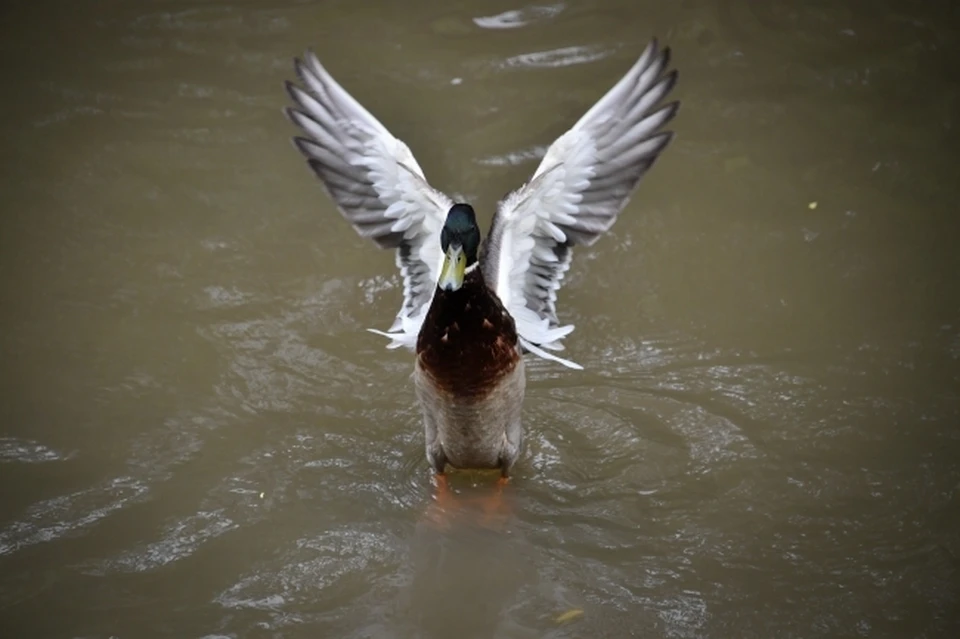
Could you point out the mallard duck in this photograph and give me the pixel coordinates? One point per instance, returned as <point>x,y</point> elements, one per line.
<point>471,312</point>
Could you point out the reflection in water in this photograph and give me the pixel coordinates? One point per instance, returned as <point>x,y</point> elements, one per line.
<point>200,439</point>
<point>466,581</point>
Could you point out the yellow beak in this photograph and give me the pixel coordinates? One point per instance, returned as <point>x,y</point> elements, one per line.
<point>454,266</point>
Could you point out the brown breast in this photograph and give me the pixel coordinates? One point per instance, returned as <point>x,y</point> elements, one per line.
<point>468,341</point>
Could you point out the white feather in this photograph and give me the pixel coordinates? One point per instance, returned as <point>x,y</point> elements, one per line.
<point>576,194</point>
<point>376,183</point>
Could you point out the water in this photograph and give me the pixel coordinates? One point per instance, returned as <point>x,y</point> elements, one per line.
<point>199,439</point>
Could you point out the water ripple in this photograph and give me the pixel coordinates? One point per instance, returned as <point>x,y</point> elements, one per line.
<point>563,57</point>
<point>514,158</point>
<point>28,451</point>
<point>517,18</point>
<point>180,540</point>
<point>71,514</point>
<point>319,571</point>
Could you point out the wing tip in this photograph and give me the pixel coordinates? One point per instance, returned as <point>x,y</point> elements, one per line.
<point>653,45</point>
<point>669,80</point>
<point>300,144</point>
<point>310,57</point>
<point>299,97</point>
<point>291,114</point>
<point>396,339</point>
<point>537,350</point>
<point>670,110</point>
<point>310,71</point>
<point>658,57</point>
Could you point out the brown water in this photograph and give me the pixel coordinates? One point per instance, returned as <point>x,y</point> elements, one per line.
<point>198,438</point>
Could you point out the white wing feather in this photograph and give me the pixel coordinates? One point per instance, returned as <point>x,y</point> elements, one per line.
<point>578,190</point>
<point>377,185</point>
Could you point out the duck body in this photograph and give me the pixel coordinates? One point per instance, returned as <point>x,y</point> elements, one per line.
<point>469,316</point>
<point>470,381</point>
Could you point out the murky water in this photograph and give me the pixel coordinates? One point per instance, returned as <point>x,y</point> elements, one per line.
<point>198,438</point>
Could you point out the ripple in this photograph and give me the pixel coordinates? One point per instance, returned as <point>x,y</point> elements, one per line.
<point>517,18</point>
<point>155,453</point>
<point>67,114</point>
<point>513,158</point>
<point>564,57</point>
<point>27,451</point>
<point>213,19</point>
<point>219,296</point>
<point>684,615</point>
<point>316,571</point>
<point>70,514</point>
<point>180,540</point>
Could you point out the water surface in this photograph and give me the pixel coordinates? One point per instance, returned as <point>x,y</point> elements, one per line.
<point>198,438</point>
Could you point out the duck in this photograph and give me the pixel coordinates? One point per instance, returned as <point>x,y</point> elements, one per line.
<point>473,307</point>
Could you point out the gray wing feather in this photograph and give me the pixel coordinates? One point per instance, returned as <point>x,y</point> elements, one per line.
<point>583,182</point>
<point>375,182</point>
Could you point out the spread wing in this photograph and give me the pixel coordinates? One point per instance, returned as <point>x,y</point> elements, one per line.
<point>376,183</point>
<point>583,182</point>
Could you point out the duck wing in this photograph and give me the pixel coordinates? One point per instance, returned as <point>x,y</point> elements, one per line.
<point>578,190</point>
<point>376,184</point>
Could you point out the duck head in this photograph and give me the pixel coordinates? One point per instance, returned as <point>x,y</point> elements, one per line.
<point>460,240</point>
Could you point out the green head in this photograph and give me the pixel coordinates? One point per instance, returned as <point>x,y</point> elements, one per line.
<point>460,240</point>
